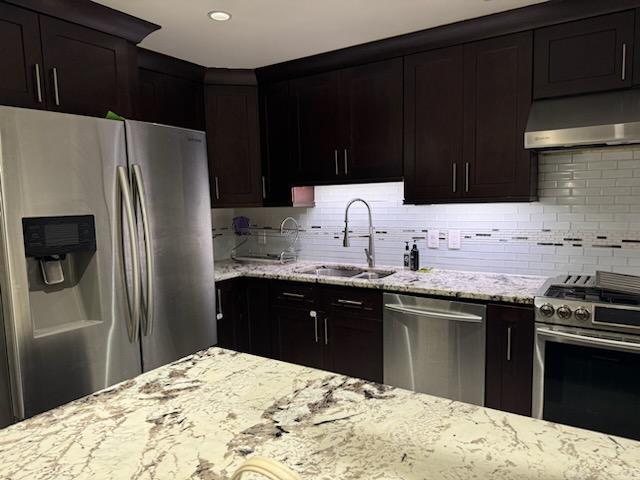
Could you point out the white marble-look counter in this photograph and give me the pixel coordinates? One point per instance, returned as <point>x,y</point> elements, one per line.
<point>497,287</point>
<point>200,417</point>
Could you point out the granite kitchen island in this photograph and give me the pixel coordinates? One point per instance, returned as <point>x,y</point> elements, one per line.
<point>200,417</point>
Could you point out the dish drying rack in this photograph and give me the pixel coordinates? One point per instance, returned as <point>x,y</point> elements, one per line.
<point>288,255</point>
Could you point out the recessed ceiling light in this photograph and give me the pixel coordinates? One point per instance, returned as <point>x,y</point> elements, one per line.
<point>219,15</point>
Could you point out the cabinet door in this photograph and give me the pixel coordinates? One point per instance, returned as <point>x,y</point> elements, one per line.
<point>260,324</point>
<point>584,56</point>
<point>315,109</point>
<point>20,58</point>
<point>497,95</point>
<point>509,367</point>
<point>227,314</point>
<point>277,169</point>
<point>433,125</point>
<point>298,337</point>
<point>233,145</point>
<point>371,132</point>
<point>354,346</point>
<point>87,72</point>
<point>170,100</point>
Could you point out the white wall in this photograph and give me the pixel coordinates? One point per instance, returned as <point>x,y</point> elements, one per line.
<point>587,218</point>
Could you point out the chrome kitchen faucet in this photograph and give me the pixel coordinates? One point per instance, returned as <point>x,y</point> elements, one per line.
<point>369,252</point>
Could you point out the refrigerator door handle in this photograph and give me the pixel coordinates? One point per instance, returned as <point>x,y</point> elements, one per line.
<point>134,305</point>
<point>147,326</point>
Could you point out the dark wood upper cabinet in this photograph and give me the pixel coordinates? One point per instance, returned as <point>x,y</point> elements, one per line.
<point>348,124</point>
<point>433,125</point>
<point>584,56</point>
<point>497,97</point>
<point>170,100</point>
<point>509,358</point>
<point>170,91</point>
<point>86,72</point>
<point>315,108</point>
<point>275,130</point>
<point>371,129</point>
<point>20,58</point>
<point>233,145</point>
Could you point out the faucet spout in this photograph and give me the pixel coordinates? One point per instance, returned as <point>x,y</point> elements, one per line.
<point>369,252</point>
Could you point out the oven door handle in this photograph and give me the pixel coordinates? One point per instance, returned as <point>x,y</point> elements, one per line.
<point>587,340</point>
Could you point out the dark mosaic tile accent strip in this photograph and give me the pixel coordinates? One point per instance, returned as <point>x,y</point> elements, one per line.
<point>630,241</point>
<point>606,246</point>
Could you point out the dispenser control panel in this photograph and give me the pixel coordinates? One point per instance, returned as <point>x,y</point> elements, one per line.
<point>53,236</point>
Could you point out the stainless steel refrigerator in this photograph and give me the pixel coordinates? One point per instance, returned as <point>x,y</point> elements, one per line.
<point>106,255</point>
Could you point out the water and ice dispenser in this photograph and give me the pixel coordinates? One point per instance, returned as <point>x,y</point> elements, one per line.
<point>63,276</point>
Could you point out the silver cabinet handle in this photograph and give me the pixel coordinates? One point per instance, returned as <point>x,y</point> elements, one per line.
<point>264,188</point>
<point>335,156</point>
<point>508,344</point>
<point>350,302</point>
<point>220,315</point>
<point>217,187</point>
<point>466,176</point>
<point>461,317</point>
<point>38,83</point>
<point>314,315</point>
<point>56,91</point>
<point>455,177</point>
<point>588,340</point>
<point>624,62</point>
<point>326,334</point>
<point>134,305</point>
<point>346,162</point>
<point>141,196</point>
<point>292,295</point>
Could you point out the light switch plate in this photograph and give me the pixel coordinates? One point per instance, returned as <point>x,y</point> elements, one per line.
<point>433,238</point>
<point>454,239</point>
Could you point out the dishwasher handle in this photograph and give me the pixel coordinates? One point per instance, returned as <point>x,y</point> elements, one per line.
<point>454,316</point>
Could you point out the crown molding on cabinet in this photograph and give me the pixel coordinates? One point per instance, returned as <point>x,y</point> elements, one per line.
<point>92,15</point>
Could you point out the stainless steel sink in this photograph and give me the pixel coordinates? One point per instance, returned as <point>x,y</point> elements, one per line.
<point>333,272</point>
<point>374,274</point>
<point>348,272</point>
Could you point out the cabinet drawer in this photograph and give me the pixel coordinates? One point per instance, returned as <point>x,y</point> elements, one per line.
<point>354,301</point>
<point>292,294</point>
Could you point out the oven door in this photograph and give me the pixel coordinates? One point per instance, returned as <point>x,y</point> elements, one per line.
<point>587,379</point>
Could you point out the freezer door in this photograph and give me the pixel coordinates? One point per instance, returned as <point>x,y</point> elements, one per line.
<point>171,182</point>
<point>67,339</point>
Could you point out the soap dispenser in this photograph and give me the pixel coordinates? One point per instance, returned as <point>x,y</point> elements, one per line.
<point>414,258</point>
<point>407,256</point>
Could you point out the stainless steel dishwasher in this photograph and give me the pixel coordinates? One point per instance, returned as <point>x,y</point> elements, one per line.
<point>435,347</point>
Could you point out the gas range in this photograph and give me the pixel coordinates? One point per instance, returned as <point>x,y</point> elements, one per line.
<point>579,301</point>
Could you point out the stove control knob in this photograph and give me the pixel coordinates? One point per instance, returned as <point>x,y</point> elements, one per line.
<point>582,314</point>
<point>547,310</point>
<point>564,312</point>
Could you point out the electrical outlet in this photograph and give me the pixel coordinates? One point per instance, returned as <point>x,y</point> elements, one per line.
<point>454,239</point>
<point>433,239</point>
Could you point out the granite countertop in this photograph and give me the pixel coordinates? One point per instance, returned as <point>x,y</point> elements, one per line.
<point>497,287</point>
<point>200,417</point>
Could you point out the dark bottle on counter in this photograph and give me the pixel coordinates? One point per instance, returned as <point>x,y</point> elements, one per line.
<point>407,256</point>
<point>414,257</point>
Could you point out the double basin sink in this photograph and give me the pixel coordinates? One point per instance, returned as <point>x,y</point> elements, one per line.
<point>348,272</point>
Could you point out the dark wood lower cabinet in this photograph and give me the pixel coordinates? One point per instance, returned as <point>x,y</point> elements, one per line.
<point>231,314</point>
<point>509,358</point>
<point>298,337</point>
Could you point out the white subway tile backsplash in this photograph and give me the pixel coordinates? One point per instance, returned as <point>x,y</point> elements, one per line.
<point>587,218</point>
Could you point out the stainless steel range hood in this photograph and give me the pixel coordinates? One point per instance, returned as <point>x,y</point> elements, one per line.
<point>611,118</point>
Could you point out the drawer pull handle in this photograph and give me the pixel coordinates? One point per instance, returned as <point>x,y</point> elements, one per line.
<point>292,295</point>
<point>350,302</point>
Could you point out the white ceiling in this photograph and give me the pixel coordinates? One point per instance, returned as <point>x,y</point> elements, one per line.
<point>263,32</point>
